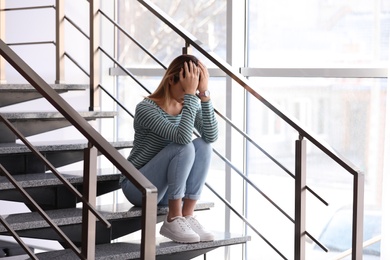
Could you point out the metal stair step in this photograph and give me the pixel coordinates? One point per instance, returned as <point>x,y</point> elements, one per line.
<point>165,249</point>
<point>62,217</point>
<point>11,94</point>
<point>18,159</point>
<point>32,123</point>
<point>45,188</point>
<point>49,179</point>
<point>54,146</point>
<point>124,218</point>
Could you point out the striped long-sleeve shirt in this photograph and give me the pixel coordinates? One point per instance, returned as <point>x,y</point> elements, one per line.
<point>155,129</point>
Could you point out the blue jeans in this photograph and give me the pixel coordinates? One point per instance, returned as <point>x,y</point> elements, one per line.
<point>178,171</point>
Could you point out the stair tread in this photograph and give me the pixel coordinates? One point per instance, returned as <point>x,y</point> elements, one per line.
<point>28,87</point>
<point>49,179</point>
<point>54,115</point>
<point>67,145</point>
<point>33,220</point>
<point>124,250</point>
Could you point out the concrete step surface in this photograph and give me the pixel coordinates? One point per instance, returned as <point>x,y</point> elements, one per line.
<point>18,159</point>
<point>11,94</point>
<point>165,249</point>
<point>32,123</point>
<point>72,216</point>
<point>55,146</point>
<point>48,179</point>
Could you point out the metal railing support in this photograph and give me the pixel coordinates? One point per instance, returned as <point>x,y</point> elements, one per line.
<point>89,192</point>
<point>187,48</point>
<point>357,217</point>
<point>2,36</point>
<point>60,42</point>
<point>300,199</point>
<point>94,63</point>
<point>149,220</point>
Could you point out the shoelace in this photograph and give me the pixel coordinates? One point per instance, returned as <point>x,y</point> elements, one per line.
<point>195,222</point>
<point>182,223</point>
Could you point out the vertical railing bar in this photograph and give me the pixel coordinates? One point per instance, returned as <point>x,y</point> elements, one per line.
<point>94,58</point>
<point>2,36</point>
<point>357,216</point>
<point>89,192</point>
<point>149,220</point>
<point>300,199</point>
<point>17,238</point>
<point>60,42</point>
<point>40,211</point>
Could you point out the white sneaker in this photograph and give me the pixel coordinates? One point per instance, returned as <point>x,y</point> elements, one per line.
<point>199,229</point>
<point>179,231</point>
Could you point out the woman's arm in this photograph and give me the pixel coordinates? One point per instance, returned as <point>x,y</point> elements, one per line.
<point>149,117</point>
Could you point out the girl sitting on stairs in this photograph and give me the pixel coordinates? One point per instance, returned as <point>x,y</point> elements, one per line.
<point>165,152</point>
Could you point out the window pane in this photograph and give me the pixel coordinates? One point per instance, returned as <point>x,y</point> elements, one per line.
<point>204,19</point>
<point>317,32</point>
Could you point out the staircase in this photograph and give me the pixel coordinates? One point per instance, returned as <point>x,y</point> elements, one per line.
<point>117,220</point>
<point>59,203</point>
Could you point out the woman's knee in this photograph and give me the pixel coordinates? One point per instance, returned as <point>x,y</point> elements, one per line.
<point>202,146</point>
<point>187,149</point>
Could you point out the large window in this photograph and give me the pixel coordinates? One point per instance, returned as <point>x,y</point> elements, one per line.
<point>305,57</point>
<point>306,52</point>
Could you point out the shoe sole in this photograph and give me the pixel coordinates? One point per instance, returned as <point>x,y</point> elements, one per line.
<point>207,239</point>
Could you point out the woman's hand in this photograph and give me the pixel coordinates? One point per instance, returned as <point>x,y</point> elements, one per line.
<point>189,77</point>
<point>204,77</point>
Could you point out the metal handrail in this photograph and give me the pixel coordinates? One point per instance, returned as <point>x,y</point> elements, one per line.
<point>228,69</point>
<point>30,43</point>
<point>216,152</point>
<point>27,8</point>
<point>300,187</point>
<point>148,190</point>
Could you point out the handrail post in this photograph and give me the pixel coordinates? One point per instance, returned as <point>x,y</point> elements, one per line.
<point>94,63</point>
<point>357,217</point>
<point>60,49</point>
<point>89,192</point>
<point>149,220</point>
<point>2,36</point>
<point>300,199</point>
<point>187,49</point>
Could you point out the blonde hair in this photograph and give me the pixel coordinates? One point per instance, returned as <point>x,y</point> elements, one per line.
<point>162,92</point>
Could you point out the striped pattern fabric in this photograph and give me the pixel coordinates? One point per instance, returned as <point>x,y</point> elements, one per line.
<point>155,129</point>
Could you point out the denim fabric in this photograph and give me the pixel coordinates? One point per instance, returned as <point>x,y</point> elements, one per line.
<point>178,171</point>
